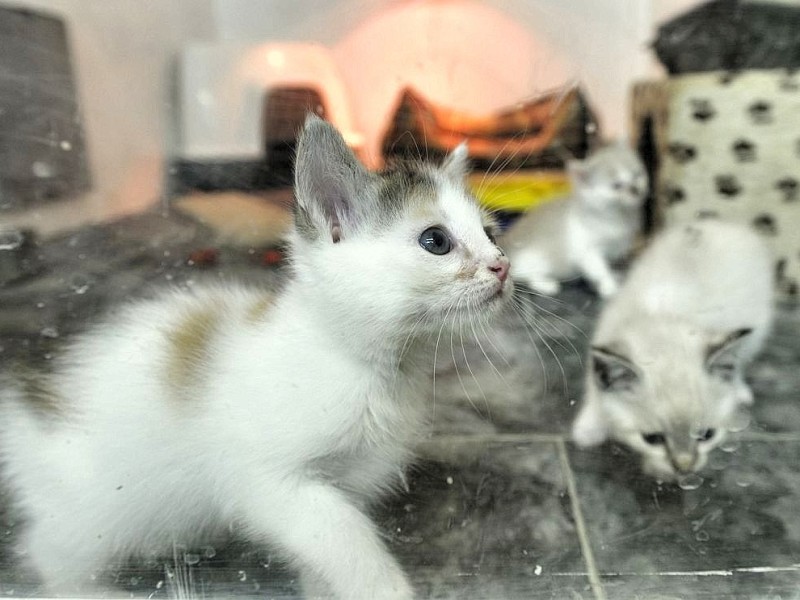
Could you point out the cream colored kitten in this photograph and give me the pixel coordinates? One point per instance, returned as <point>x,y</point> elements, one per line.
<point>284,415</point>
<point>582,234</point>
<point>665,375</point>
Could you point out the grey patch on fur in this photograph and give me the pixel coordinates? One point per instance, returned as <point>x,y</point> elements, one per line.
<point>38,393</point>
<point>337,197</point>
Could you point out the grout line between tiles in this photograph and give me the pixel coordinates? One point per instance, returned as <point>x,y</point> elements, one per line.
<point>496,437</point>
<point>580,524</point>
<point>764,436</point>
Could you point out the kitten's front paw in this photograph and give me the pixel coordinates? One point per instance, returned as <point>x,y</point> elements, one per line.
<point>589,428</point>
<point>607,287</point>
<point>548,287</point>
<point>744,395</point>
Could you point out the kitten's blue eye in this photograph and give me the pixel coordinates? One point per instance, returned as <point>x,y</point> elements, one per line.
<point>705,435</point>
<point>654,439</point>
<point>435,240</point>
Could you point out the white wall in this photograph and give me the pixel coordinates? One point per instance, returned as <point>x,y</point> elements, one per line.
<point>472,54</point>
<point>469,54</point>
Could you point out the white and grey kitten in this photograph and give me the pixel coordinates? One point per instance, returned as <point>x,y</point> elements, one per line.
<point>666,370</point>
<point>583,233</point>
<point>286,415</point>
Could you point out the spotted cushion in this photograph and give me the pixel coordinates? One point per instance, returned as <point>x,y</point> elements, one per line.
<point>727,145</point>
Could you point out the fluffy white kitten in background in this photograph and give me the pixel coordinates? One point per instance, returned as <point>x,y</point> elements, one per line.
<point>286,415</point>
<point>582,234</point>
<point>665,375</point>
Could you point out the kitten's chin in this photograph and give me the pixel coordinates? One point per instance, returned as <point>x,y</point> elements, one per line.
<point>499,296</point>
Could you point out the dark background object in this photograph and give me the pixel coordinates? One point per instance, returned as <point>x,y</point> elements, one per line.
<point>541,133</point>
<point>730,35</point>
<point>42,148</point>
<point>283,113</point>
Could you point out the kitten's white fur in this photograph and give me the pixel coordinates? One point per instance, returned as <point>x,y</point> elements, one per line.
<point>283,422</point>
<point>692,313</point>
<point>581,234</point>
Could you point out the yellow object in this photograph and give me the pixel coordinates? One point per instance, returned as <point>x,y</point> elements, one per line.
<point>518,191</point>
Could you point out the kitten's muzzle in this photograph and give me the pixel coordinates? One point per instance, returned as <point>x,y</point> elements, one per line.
<point>684,463</point>
<point>500,268</point>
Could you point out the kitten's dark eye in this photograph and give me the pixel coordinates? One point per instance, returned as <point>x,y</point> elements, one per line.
<point>490,235</point>
<point>705,434</point>
<point>654,439</point>
<point>435,240</point>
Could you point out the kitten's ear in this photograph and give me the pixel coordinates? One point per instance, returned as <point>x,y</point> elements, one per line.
<point>329,183</point>
<point>724,353</point>
<point>612,372</point>
<point>590,427</point>
<point>456,164</point>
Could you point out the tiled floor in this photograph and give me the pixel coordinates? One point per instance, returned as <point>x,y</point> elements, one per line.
<point>500,505</point>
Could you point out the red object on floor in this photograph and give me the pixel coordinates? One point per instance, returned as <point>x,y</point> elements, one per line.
<point>271,257</point>
<point>205,257</point>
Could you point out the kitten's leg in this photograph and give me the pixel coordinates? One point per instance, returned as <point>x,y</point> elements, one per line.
<point>533,270</point>
<point>597,270</point>
<point>590,427</point>
<point>329,537</point>
<point>744,395</point>
<point>65,567</point>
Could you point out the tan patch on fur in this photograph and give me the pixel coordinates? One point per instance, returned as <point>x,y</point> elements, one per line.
<point>260,308</point>
<point>189,343</point>
<point>467,272</point>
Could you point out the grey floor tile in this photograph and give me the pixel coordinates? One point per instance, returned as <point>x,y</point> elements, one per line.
<point>775,377</point>
<point>488,520</point>
<point>524,375</point>
<point>780,585</point>
<point>743,517</point>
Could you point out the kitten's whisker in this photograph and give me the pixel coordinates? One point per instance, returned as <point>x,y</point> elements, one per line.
<point>532,326</point>
<point>494,346</point>
<point>435,356</point>
<point>486,356</point>
<point>539,308</point>
<point>557,336</point>
<point>469,368</point>
<point>455,362</point>
<point>491,174</point>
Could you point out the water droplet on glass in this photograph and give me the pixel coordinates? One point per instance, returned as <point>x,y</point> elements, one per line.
<point>730,445</point>
<point>449,480</point>
<point>160,584</point>
<point>692,481</point>
<point>65,145</point>
<point>242,576</point>
<point>40,305</point>
<point>537,570</point>
<point>42,169</point>
<point>80,284</point>
<point>718,461</point>
<point>209,552</point>
<point>49,332</point>
<point>191,559</point>
<point>740,422</point>
<point>134,581</point>
<point>744,481</point>
<point>702,536</point>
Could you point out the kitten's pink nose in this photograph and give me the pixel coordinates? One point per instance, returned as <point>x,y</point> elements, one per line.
<point>500,268</point>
